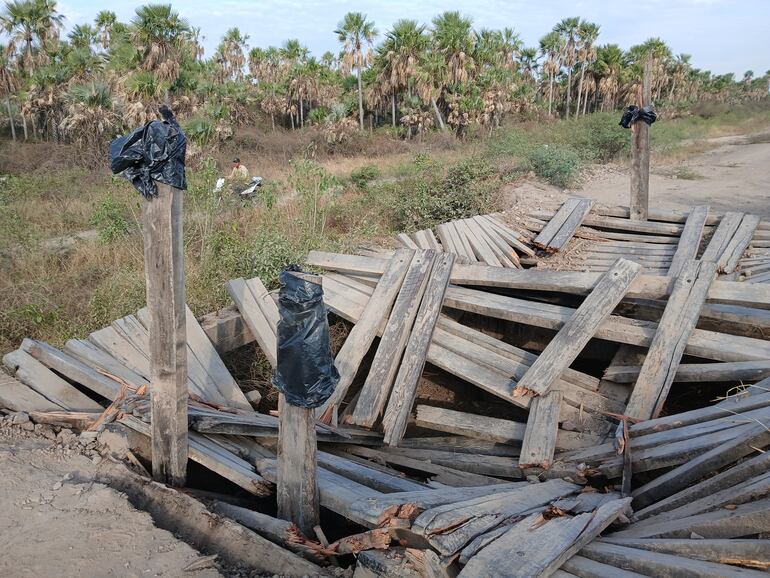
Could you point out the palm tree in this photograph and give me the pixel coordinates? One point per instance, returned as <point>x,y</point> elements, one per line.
<point>400,55</point>
<point>160,34</point>
<point>105,21</point>
<point>568,30</point>
<point>230,54</point>
<point>356,34</point>
<point>31,25</point>
<point>610,63</point>
<point>551,47</point>
<point>455,40</point>
<point>8,85</point>
<point>528,63</point>
<point>82,36</point>
<point>588,32</point>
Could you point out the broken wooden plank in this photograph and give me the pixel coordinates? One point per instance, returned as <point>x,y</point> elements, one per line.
<point>539,443</point>
<point>404,389</point>
<point>363,333</point>
<point>15,396</point>
<point>674,331</point>
<point>379,381</point>
<point>660,564</point>
<point>722,236</point>
<point>728,262</point>
<point>539,550</point>
<point>689,242</point>
<point>580,328</point>
<point>45,382</point>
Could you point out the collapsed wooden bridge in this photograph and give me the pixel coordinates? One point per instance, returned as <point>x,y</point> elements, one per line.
<point>572,390</point>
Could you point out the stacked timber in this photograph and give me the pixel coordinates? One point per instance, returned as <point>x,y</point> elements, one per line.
<point>609,420</point>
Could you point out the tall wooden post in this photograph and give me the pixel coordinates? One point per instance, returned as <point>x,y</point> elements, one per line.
<point>297,490</point>
<point>164,274</point>
<point>640,153</point>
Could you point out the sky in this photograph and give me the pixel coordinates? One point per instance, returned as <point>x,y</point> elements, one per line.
<point>721,35</point>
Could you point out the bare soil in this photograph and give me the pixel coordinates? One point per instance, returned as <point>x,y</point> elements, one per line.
<point>732,176</point>
<point>58,521</point>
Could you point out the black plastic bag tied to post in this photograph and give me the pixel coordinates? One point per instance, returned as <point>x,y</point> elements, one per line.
<point>153,152</point>
<point>634,113</point>
<point>305,373</point>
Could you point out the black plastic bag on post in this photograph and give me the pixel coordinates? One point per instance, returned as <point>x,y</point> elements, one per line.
<point>305,373</point>
<point>633,113</point>
<point>154,152</point>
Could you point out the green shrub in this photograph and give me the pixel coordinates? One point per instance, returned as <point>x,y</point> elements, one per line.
<point>558,165</point>
<point>109,220</point>
<point>362,176</point>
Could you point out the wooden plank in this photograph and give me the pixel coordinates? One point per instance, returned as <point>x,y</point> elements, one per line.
<point>557,221</point>
<point>407,242</point>
<point>744,371</point>
<point>450,527</point>
<point>539,443</point>
<point>494,237</point>
<point>360,338</point>
<point>255,319</point>
<point>728,262</point>
<point>480,248</point>
<point>100,360</point>
<point>397,412</point>
<point>472,425</point>
<point>45,382</point>
<point>202,349</point>
<point>72,368</point>
<point>379,381</point>
<point>369,474</point>
<point>674,331</point>
<point>539,550</point>
<point>747,552</point>
<point>461,244</point>
<point>164,276</point>
<point>510,236</point>
<point>446,239</point>
<point>297,489</point>
<point>264,300</point>
<point>15,396</point>
<point>587,568</point>
<point>580,328</point>
<point>498,247</point>
<point>756,435</point>
<point>659,564</point>
<point>571,225</point>
<point>689,242</point>
<point>722,236</point>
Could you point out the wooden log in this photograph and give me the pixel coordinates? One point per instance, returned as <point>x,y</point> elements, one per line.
<point>689,242</point>
<point>580,328</point>
<point>747,552</point>
<point>541,549</point>
<point>659,564</point>
<point>362,335</point>
<point>401,400</point>
<point>164,275</point>
<point>297,489</point>
<point>674,331</point>
<point>46,383</point>
<point>640,152</point>
<point>379,381</point>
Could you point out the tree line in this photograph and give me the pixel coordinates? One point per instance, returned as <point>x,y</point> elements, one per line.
<point>107,76</point>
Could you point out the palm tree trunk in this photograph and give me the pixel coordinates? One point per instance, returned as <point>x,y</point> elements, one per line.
<point>272,120</point>
<point>569,91</point>
<point>393,107</point>
<point>580,88</point>
<point>360,100</point>
<point>24,125</point>
<point>438,114</point>
<point>550,95</point>
<point>10,116</point>
<point>585,103</point>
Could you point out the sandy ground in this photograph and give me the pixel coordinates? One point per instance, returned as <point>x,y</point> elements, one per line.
<point>734,176</point>
<point>56,521</point>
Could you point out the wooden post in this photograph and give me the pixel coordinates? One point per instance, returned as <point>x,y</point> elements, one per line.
<point>640,153</point>
<point>164,274</point>
<point>297,488</point>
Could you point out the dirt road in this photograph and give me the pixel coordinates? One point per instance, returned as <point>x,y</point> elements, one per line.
<point>57,521</point>
<point>734,176</point>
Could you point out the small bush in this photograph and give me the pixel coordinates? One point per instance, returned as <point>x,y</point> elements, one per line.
<point>109,220</point>
<point>558,165</point>
<point>362,176</point>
